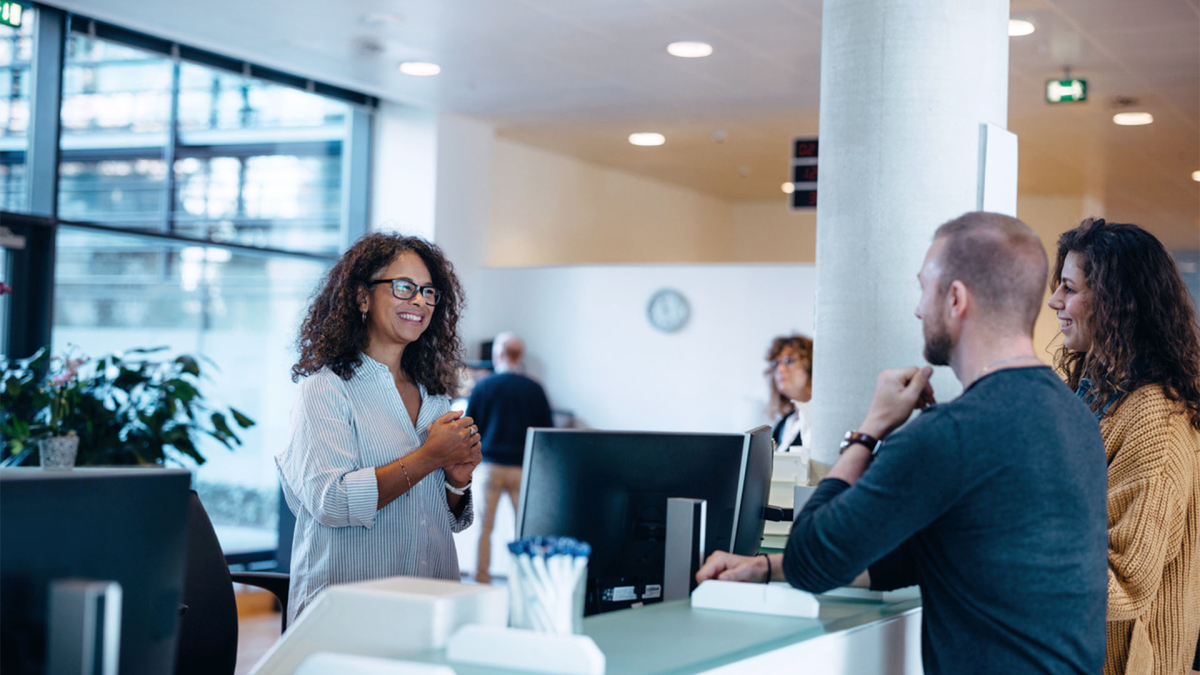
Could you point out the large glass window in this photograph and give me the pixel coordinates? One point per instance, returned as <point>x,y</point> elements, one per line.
<point>210,156</point>
<point>116,110</point>
<point>115,292</point>
<point>290,201</point>
<point>16,53</point>
<point>253,162</point>
<point>214,100</point>
<point>154,144</point>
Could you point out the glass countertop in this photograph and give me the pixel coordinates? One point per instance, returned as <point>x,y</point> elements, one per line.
<point>672,638</point>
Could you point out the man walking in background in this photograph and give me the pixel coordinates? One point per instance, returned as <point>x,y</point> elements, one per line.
<point>503,406</point>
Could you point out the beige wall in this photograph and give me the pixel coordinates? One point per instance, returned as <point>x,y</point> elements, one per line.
<point>1050,216</point>
<point>550,209</point>
<point>770,232</point>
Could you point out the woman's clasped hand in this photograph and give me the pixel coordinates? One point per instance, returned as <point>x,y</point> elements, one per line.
<point>454,445</point>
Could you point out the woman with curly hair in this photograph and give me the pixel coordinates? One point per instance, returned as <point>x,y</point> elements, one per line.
<point>1131,349</point>
<point>377,469</point>
<point>789,371</point>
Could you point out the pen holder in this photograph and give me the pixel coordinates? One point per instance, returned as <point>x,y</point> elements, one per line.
<point>548,584</point>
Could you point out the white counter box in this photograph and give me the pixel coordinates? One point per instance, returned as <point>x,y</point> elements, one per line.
<point>393,617</point>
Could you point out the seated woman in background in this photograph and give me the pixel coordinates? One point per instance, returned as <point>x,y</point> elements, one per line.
<point>1131,348</point>
<point>377,470</point>
<point>789,369</point>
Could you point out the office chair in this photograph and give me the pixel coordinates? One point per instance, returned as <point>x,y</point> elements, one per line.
<point>208,626</point>
<point>287,531</point>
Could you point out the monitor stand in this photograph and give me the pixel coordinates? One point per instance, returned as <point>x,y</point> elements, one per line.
<point>684,554</point>
<point>84,627</point>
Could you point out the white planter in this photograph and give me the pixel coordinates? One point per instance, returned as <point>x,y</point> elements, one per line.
<point>58,452</point>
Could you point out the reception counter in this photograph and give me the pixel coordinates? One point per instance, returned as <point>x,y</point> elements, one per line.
<point>850,636</point>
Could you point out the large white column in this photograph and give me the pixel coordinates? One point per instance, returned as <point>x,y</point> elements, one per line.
<point>464,209</point>
<point>905,87</point>
<point>432,178</point>
<point>404,170</point>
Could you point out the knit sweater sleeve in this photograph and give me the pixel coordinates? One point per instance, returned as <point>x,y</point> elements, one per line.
<point>1147,501</point>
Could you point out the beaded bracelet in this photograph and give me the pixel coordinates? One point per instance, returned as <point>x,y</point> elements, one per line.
<point>405,476</point>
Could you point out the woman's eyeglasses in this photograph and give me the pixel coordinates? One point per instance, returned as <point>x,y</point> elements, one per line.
<point>786,360</point>
<point>404,289</point>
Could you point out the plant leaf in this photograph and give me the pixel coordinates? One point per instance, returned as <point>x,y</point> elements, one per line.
<point>221,426</point>
<point>179,438</point>
<point>188,364</point>
<point>182,389</point>
<point>35,362</point>
<point>242,421</point>
<point>129,378</point>
<point>147,350</point>
<point>18,456</point>
<point>224,440</point>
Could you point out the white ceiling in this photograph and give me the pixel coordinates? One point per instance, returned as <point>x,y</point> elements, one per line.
<point>577,76</point>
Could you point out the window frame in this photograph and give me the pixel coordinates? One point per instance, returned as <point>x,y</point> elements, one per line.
<point>31,270</point>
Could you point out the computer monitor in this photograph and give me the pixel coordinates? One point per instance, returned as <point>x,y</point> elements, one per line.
<point>610,488</point>
<point>125,525</point>
<point>755,489</point>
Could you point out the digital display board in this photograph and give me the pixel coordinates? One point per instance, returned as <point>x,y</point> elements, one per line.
<point>803,186</point>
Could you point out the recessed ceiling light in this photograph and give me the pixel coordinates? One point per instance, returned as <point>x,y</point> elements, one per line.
<point>420,68</point>
<point>689,50</point>
<point>1019,27</point>
<point>1133,119</point>
<point>647,138</point>
<point>1196,176</point>
<point>788,188</point>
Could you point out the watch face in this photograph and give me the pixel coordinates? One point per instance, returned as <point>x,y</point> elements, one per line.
<point>667,310</point>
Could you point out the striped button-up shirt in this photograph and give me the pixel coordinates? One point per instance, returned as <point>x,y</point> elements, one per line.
<point>341,431</point>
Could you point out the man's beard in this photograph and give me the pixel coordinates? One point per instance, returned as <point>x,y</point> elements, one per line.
<point>938,343</point>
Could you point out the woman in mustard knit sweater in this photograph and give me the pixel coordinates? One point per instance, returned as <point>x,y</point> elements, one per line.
<point>1131,348</point>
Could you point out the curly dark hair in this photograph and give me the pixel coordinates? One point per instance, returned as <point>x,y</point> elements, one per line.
<point>1143,323</point>
<point>782,405</point>
<point>334,336</point>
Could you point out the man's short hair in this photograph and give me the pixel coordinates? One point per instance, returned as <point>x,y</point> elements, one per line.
<point>510,346</point>
<point>1001,260</point>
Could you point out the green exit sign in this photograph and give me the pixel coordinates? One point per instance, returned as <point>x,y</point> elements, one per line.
<point>1066,91</point>
<point>11,13</point>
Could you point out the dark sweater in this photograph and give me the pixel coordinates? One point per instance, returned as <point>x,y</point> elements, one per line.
<point>995,504</point>
<point>504,406</point>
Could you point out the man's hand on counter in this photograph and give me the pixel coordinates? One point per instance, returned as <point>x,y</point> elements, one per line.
<point>729,567</point>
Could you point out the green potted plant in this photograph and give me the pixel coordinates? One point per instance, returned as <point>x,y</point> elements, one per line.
<point>23,400</point>
<point>130,408</point>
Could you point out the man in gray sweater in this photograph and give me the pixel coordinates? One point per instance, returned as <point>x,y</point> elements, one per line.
<point>993,503</point>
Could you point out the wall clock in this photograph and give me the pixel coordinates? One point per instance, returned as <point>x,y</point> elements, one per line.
<point>667,310</point>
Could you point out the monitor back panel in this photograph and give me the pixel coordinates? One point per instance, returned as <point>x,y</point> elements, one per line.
<point>756,488</point>
<point>610,489</point>
<point>127,525</point>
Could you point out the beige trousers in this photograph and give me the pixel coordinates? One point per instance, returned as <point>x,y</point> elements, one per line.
<point>497,479</point>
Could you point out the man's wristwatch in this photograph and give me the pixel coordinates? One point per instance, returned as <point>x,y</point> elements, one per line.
<point>458,491</point>
<point>854,437</point>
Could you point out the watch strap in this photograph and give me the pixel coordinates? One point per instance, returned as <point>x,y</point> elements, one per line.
<point>458,491</point>
<point>856,437</point>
